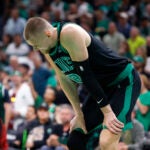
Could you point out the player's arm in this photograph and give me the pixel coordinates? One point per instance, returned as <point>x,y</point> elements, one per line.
<point>70,89</point>
<point>74,40</point>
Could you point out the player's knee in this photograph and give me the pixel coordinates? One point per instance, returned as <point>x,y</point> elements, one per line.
<point>108,139</point>
<point>76,141</point>
<point>104,142</point>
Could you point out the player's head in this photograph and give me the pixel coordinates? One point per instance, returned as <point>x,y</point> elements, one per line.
<point>39,33</point>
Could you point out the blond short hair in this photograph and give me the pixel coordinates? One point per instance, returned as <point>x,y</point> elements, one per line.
<point>34,27</point>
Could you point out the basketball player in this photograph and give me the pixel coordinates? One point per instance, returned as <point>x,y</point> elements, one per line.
<point>79,58</point>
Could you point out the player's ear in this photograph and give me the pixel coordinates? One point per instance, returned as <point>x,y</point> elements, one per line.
<point>47,33</point>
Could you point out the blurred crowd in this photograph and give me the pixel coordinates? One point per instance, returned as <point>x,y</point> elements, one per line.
<point>37,112</point>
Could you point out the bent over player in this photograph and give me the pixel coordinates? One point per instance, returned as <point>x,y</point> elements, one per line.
<point>79,58</point>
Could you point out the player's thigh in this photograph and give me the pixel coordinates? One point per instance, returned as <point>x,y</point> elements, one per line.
<point>108,138</point>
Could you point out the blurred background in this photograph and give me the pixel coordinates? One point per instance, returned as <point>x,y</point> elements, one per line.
<point>34,112</point>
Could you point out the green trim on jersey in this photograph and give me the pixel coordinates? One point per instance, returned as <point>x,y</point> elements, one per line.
<point>63,60</point>
<point>127,102</point>
<point>123,74</point>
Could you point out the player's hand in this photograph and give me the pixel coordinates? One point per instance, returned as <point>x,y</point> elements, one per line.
<point>78,122</point>
<point>112,123</point>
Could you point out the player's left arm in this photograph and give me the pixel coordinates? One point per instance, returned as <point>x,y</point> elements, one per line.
<point>74,40</point>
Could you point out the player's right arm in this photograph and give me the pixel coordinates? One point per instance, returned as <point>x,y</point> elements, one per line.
<point>70,90</point>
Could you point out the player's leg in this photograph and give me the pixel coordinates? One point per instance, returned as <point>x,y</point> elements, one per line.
<point>108,140</point>
<point>126,95</point>
<point>93,118</point>
<point>76,140</point>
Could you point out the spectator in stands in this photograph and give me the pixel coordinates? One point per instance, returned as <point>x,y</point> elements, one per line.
<point>147,67</point>
<point>13,64</point>
<point>148,45</point>
<point>46,15</point>
<point>125,6</point>
<point>102,22</point>
<point>58,95</point>
<point>141,51</point>
<point>147,11</point>
<point>84,7</point>
<point>28,60</point>
<point>132,139</point>
<point>49,98</point>
<point>38,100</point>
<point>143,103</point>
<point>123,26</point>
<point>72,14</point>
<point>25,71</point>
<point>39,129</point>
<point>4,78</point>
<point>113,39</point>
<point>21,133</point>
<point>5,114</point>
<point>32,10</point>
<point>145,26</point>
<point>86,19</point>
<point>6,40</point>
<point>40,74</point>
<point>135,40</point>
<point>124,50</point>
<point>57,16</point>
<point>17,47</point>
<point>3,58</point>
<point>138,62</point>
<point>139,65</point>
<point>15,24</point>
<point>66,115</point>
<point>22,97</point>
<point>59,142</point>
<point>58,6</point>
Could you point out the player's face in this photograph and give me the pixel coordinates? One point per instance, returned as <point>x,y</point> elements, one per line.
<point>42,43</point>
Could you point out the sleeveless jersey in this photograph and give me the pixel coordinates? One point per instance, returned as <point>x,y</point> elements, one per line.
<point>104,62</point>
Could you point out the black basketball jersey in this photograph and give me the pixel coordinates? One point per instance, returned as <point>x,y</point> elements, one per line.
<point>105,63</point>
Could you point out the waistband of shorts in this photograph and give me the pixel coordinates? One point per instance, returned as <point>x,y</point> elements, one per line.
<point>125,73</point>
